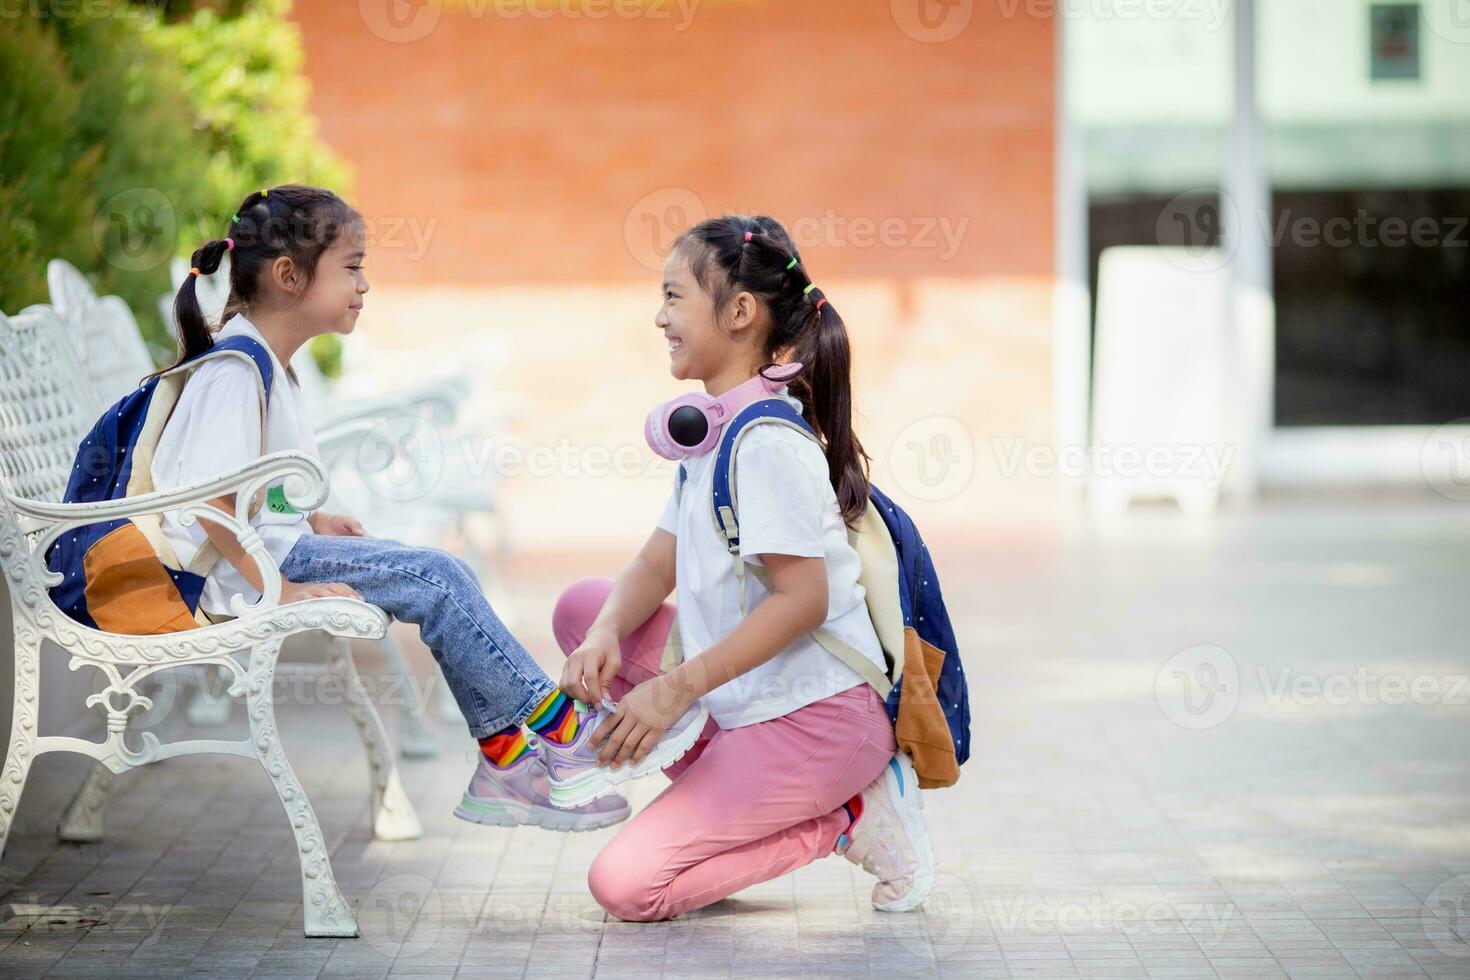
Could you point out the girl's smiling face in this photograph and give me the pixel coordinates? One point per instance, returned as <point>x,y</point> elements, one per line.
<point>334,299</point>
<point>701,348</point>
<point>687,320</point>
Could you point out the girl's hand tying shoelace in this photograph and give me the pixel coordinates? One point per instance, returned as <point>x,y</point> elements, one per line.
<point>590,669</point>
<point>642,718</point>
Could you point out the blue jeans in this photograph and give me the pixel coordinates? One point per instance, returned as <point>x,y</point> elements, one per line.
<point>493,678</point>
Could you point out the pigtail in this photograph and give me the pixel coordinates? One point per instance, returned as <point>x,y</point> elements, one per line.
<point>825,390</point>
<point>195,336</point>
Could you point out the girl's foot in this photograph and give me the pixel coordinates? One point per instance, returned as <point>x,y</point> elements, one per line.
<point>889,839</point>
<point>520,794</point>
<point>577,779</point>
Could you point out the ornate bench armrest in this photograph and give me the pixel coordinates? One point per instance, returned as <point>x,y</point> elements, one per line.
<point>305,484</point>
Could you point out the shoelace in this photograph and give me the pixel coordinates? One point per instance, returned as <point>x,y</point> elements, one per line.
<point>582,709</point>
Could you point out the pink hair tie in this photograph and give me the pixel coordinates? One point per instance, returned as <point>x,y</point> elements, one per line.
<point>749,235</point>
<point>229,244</point>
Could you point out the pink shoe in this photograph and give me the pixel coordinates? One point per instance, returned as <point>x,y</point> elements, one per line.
<point>577,779</point>
<point>890,840</point>
<point>520,794</point>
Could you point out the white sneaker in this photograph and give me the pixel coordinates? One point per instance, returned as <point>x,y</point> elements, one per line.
<point>890,840</point>
<point>576,778</point>
<point>521,794</point>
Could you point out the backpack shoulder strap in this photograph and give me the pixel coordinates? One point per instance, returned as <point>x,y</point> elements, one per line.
<point>776,411</point>
<point>727,525</point>
<point>246,348</point>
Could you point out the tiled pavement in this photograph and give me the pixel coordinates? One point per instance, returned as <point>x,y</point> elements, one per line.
<point>1117,819</point>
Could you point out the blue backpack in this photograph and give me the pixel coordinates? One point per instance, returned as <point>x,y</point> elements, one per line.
<point>121,575</point>
<point>923,686</point>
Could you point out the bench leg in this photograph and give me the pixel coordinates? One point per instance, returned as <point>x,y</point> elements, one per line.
<point>416,740</point>
<point>82,821</point>
<point>24,718</point>
<point>325,911</point>
<point>393,815</point>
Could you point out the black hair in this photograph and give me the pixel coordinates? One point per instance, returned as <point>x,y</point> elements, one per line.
<point>293,220</point>
<point>738,253</point>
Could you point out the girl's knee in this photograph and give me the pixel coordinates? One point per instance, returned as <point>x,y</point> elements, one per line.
<point>464,566</point>
<point>622,885</point>
<point>448,569</point>
<point>576,608</point>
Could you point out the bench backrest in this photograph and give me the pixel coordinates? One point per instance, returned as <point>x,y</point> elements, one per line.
<point>110,350</point>
<point>45,409</point>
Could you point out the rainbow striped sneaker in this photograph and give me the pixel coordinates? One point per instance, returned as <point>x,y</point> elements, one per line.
<point>577,779</point>
<point>519,794</point>
<point>889,839</point>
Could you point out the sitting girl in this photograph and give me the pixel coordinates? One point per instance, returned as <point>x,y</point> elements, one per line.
<point>798,758</point>
<point>296,273</point>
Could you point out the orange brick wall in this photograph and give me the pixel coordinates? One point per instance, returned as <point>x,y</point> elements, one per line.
<point>550,162</point>
<point>551,149</point>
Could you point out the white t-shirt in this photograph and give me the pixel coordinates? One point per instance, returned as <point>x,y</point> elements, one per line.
<point>214,428</point>
<point>786,507</point>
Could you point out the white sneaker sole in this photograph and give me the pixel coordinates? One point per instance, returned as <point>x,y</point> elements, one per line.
<point>909,804</point>
<point>588,786</point>
<point>516,813</point>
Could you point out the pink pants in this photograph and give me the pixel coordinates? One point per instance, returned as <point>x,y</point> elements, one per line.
<point>746,804</point>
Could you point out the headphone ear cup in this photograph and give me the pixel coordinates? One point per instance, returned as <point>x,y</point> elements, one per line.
<point>688,426</point>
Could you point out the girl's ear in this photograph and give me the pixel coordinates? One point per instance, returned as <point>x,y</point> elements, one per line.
<point>283,274</point>
<point>743,312</point>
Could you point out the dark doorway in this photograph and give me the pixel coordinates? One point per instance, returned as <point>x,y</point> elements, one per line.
<point>1372,295</point>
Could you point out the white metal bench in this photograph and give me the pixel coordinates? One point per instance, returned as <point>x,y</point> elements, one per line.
<point>114,358</point>
<point>39,415</point>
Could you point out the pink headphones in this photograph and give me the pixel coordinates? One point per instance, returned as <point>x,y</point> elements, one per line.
<point>691,424</point>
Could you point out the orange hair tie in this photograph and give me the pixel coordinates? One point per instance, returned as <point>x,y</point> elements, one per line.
<point>193,272</point>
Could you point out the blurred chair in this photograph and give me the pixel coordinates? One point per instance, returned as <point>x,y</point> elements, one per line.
<point>1159,378</point>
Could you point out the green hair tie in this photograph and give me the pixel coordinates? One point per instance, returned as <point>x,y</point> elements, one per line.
<point>792,264</point>
<point>809,288</point>
<point>235,220</point>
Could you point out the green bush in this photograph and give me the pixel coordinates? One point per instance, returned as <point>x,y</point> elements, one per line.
<point>48,169</point>
<point>245,70</point>
<point>127,138</point>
